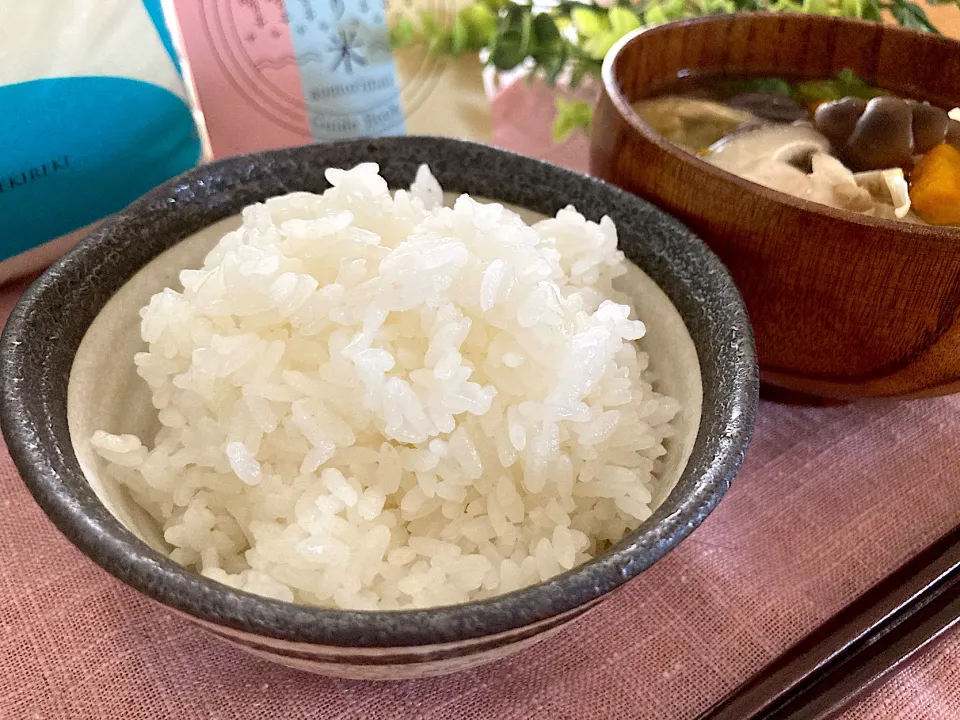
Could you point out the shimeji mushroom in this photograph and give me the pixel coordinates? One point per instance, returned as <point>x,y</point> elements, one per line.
<point>882,138</point>
<point>929,126</point>
<point>953,128</point>
<point>886,132</point>
<point>837,119</point>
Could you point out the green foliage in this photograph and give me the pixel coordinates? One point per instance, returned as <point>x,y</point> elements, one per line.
<point>571,39</point>
<point>403,34</point>
<point>912,16</point>
<point>571,116</point>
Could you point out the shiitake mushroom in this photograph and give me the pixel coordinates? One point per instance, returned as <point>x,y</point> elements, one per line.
<point>885,132</point>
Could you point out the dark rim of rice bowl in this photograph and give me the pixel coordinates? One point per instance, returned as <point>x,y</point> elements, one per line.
<point>46,327</point>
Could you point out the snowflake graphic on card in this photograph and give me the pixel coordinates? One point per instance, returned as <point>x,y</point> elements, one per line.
<point>322,64</point>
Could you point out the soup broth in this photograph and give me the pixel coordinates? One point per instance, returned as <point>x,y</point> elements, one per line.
<point>837,141</point>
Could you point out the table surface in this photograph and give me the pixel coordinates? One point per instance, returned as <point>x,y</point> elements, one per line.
<point>829,502</point>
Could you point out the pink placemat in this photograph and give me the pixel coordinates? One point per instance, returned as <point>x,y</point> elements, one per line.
<point>828,502</point>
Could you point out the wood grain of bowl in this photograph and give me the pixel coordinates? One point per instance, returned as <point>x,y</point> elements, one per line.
<point>844,306</point>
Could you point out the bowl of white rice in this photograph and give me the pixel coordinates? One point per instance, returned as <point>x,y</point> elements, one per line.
<point>382,408</point>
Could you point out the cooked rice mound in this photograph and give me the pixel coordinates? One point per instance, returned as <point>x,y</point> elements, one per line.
<point>371,401</point>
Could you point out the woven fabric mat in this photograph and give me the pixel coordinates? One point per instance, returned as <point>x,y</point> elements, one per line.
<point>828,503</point>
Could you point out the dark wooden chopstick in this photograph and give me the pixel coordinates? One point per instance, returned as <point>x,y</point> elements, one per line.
<point>863,643</point>
<point>881,660</point>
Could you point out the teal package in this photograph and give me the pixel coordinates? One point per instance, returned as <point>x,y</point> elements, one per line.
<point>92,115</point>
<point>78,149</point>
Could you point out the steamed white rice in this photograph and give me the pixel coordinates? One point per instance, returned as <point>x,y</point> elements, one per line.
<point>372,401</point>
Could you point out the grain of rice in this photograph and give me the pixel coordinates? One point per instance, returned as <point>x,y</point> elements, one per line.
<point>367,400</point>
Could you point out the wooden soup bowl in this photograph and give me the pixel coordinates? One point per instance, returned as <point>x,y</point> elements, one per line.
<point>844,306</point>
